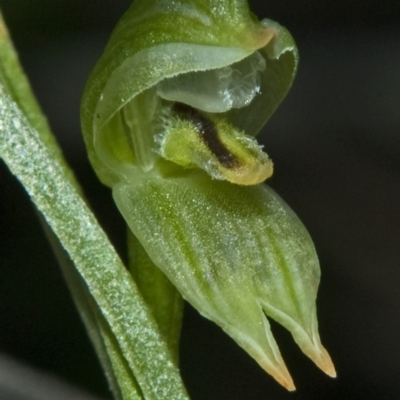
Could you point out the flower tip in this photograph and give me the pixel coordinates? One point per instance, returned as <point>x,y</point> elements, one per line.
<point>312,348</point>
<point>284,379</point>
<point>328,367</point>
<point>280,374</point>
<point>331,371</point>
<point>324,362</point>
<point>288,384</point>
<point>264,36</point>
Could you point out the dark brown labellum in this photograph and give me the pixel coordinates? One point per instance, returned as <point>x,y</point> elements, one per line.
<point>207,132</point>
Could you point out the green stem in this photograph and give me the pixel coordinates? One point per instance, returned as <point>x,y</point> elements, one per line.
<point>161,296</point>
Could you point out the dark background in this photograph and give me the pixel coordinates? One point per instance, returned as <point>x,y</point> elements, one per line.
<point>335,142</point>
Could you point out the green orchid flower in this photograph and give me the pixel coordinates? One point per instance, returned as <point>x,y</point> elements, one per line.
<point>169,116</point>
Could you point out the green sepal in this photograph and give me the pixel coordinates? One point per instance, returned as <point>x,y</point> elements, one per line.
<point>234,253</point>
<point>163,299</point>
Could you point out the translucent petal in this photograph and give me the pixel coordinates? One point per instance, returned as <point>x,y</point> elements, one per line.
<point>216,90</point>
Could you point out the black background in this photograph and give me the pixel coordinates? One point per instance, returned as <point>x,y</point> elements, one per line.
<point>335,142</point>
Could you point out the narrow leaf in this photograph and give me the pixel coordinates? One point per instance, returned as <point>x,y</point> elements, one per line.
<point>122,384</point>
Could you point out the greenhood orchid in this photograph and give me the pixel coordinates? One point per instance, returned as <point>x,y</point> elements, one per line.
<point>170,114</point>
